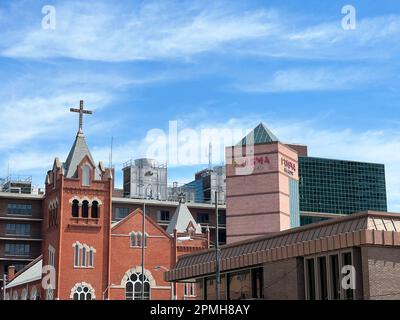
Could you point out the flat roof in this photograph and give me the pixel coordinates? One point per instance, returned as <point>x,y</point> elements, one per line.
<point>165,203</point>
<point>23,196</point>
<point>341,160</point>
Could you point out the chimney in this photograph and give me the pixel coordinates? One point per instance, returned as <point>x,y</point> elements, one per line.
<point>11,273</point>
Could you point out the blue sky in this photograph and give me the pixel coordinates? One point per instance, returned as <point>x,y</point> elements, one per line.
<point>205,64</point>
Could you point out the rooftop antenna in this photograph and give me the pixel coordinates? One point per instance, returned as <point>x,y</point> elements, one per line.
<point>209,156</point>
<point>111,152</point>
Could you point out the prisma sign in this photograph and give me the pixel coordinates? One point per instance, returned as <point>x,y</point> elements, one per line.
<point>258,163</point>
<point>289,167</point>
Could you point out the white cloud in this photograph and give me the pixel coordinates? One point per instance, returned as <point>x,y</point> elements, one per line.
<point>113,33</point>
<point>368,146</point>
<point>375,146</point>
<point>312,79</point>
<point>26,119</point>
<point>180,30</point>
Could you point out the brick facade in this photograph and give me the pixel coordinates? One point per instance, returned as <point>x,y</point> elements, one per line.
<point>284,280</point>
<point>258,202</point>
<point>91,253</point>
<point>381,273</point>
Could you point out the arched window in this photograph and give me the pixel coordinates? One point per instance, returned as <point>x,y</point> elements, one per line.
<point>133,239</point>
<point>75,208</point>
<point>84,250</point>
<point>95,210</point>
<point>83,291</point>
<point>56,215</point>
<point>91,258</point>
<point>146,236</point>
<point>133,287</point>
<point>53,216</point>
<point>85,209</point>
<point>76,255</point>
<point>86,175</point>
<point>15,295</point>
<point>139,239</point>
<point>50,215</point>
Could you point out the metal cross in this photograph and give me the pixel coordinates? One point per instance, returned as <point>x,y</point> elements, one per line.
<point>81,112</point>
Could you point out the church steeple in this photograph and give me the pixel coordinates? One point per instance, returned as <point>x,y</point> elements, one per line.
<point>78,151</point>
<point>80,148</point>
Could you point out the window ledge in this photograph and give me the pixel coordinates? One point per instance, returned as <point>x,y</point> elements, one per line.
<point>84,222</point>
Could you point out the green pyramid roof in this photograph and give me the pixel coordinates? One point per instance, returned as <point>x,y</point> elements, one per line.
<point>261,135</point>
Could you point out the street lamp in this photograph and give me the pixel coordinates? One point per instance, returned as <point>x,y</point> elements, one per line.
<point>157,268</point>
<point>217,251</point>
<point>3,288</point>
<point>147,174</point>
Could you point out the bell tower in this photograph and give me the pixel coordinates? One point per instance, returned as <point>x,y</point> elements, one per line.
<point>77,222</point>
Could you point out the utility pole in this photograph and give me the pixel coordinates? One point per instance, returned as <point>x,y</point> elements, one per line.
<point>217,253</point>
<point>4,286</point>
<point>143,237</point>
<point>144,240</point>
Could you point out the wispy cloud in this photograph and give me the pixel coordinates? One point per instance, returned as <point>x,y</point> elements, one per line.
<point>26,119</point>
<point>152,31</point>
<point>312,79</point>
<point>347,144</point>
<point>179,30</point>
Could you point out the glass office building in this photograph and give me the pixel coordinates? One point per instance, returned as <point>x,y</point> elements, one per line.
<point>340,187</point>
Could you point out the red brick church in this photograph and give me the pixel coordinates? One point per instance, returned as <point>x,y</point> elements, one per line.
<point>85,256</point>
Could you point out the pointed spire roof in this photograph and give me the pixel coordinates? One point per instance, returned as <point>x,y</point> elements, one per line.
<point>261,134</point>
<point>78,151</point>
<point>181,220</point>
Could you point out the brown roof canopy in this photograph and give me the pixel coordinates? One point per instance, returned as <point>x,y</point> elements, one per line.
<point>366,228</point>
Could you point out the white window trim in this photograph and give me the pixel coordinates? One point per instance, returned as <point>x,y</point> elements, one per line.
<point>86,183</point>
<point>136,236</point>
<point>328,255</point>
<point>52,254</point>
<point>77,258</point>
<point>83,263</point>
<point>83,284</point>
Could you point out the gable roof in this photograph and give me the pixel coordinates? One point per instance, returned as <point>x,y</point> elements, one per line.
<point>260,135</point>
<point>181,220</point>
<point>148,219</point>
<point>78,151</point>
<point>32,272</point>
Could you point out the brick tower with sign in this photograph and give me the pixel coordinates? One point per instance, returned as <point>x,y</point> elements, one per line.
<point>262,186</point>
